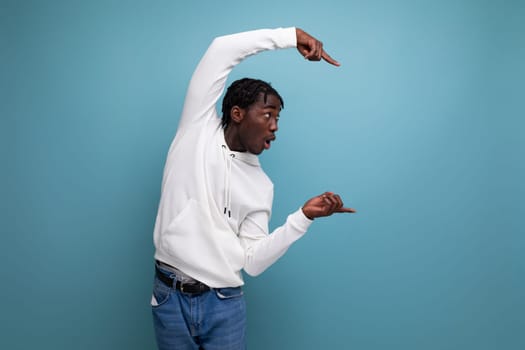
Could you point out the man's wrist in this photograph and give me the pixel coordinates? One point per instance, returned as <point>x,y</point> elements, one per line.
<point>309,217</point>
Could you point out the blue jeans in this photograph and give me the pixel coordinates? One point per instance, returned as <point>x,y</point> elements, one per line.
<point>214,320</point>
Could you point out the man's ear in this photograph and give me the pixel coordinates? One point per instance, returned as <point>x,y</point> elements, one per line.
<point>237,114</point>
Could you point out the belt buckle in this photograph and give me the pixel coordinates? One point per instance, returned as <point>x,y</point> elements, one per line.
<point>192,288</point>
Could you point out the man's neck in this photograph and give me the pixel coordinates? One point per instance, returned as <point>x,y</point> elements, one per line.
<point>231,136</point>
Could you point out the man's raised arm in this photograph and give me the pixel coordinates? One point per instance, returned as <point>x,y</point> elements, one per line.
<point>225,52</point>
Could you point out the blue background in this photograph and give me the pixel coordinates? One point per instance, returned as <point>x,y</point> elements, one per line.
<point>421,130</point>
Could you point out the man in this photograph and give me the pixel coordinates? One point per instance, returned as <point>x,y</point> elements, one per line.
<point>216,200</point>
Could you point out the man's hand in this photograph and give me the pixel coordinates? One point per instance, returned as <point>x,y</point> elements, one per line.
<point>311,48</point>
<point>325,205</point>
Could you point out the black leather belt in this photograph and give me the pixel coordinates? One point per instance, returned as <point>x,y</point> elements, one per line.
<point>188,288</point>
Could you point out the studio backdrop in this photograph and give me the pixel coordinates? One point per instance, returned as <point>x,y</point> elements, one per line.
<point>421,130</point>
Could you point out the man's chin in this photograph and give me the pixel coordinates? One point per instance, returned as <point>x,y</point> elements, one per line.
<point>256,151</point>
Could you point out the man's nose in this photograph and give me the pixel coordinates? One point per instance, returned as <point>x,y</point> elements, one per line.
<point>273,125</point>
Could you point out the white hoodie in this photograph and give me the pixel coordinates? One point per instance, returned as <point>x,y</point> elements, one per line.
<point>215,204</point>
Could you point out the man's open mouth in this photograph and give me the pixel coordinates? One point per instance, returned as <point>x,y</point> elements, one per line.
<point>268,141</point>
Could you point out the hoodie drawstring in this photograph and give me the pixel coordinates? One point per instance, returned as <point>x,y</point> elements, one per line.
<point>228,158</point>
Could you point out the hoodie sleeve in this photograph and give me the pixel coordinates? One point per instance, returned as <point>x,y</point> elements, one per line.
<point>263,249</point>
<point>225,52</point>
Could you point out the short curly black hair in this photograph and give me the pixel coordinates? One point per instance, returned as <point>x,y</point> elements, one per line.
<point>243,93</point>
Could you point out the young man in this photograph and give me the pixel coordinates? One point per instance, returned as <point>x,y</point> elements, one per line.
<point>216,200</point>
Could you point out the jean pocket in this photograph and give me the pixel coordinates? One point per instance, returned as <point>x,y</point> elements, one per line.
<point>161,293</point>
<point>229,293</point>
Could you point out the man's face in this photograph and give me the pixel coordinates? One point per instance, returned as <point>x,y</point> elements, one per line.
<point>257,128</point>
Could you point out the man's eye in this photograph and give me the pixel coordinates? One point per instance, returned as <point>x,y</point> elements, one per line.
<point>268,115</point>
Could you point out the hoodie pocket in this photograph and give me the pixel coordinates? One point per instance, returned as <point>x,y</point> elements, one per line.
<point>182,226</point>
<point>202,245</point>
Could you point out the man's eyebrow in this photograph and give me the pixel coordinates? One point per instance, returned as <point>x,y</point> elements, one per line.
<point>271,106</point>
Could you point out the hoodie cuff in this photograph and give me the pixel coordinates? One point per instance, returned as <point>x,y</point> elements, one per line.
<point>300,221</point>
<point>287,38</point>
